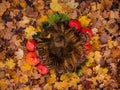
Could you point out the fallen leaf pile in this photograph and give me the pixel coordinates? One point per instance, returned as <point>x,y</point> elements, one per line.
<point>21,19</point>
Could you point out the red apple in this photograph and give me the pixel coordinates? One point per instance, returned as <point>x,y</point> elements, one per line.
<point>32,58</point>
<point>42,69</point>
<point>75,24</point>
<point>31,45</point>
<point>87,30</point>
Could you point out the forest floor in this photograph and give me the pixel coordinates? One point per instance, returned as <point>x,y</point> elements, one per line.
<point>20,19</point>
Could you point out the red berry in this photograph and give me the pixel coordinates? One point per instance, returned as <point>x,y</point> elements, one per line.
<point>87,46</point>
<point>75,24</point>
<point>32,58</point>
<point>87,30</point>
<point>42,69</point>
<point>31,45</point>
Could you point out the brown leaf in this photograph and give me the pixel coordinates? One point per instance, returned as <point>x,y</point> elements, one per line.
<point>104,38</point>
<point>106,4</point>
<point>113,69</point>
<point>115,53</point>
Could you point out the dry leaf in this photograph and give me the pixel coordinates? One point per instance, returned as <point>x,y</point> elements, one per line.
<point>23,79</point>
<point>115,53</point>
<point>84,20</point>
<point>10,63</point>
<point>97,57</point>
<point>106,4</point>
<point>72,4</point>
<point>3,7</point>
<point>3,84</point>
<point>2,65</point>
<point>25,66</point>
<point>55,6</point>
<point>19,54</point>
<point>29,31</point>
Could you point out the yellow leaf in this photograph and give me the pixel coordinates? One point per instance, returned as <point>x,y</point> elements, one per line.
<point>47,87</point>
<point>29,31</point>
<point>95,43</point>
<point>2,65</point>
<point>52,78</point>
<point>80,87</point>
<point>23,4</point>
<point>72,4</point>
<point>84,21</point>
<point>73,82</point>
<point>90,58</point>
<point>110,43</point>
<point>94,80</point>
<point>25,66</point>
<point>18,42</point>
<point>96,6</point>
<point>10,63</point>
<point>23,79</point>
<point>64,77</point>
<point>63,84</point>
<point>43,18</point>
<point>25,88</point>
<point>3,84</point>
<point>55,6</point>
<point>99,70</point>
<point>97,56</point>
<point>15,77</point>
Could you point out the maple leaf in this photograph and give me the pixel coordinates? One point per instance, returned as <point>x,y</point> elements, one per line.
<point>97,56</point>
<point>72,4</point>
<point>55,6</point>
<point>25,66</point>
<point>52,78</point>
<point>2,65</point>
<point>23,78</point>
<point>90,58</point>
<point>3,7</point>
<point>115,53</point>
<point>19,54</point>
<point>96,6</point>
<point>84,20</point>
<point>10,63</point>
<point>43,18</point>
<point>47,87</point>
<point>30,31</point>
<point>99,70</point>
<point>95,43</point>
<point>3,84</point>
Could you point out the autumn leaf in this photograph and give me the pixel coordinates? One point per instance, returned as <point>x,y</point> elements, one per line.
<point>47,87</point>
<point>97,56</point>
<point>19,54</point>
<point>2,65</point>
<point>23,79</point>
<point>95,43</point>
<point>110,43</point>
<point>72,4</point>
<point>42,19</point>
<point>115,53</point>
<point>25,66</point>
<point>29,31</point>
<point>96,6</point>
<point>84,20</point>
<point>10,63</point>
<point>55,6</point>
<point>25,88</point>
<point>52,79</point>
<point>90,58</point>
<point>3,84</point>
<point>99,70</point>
